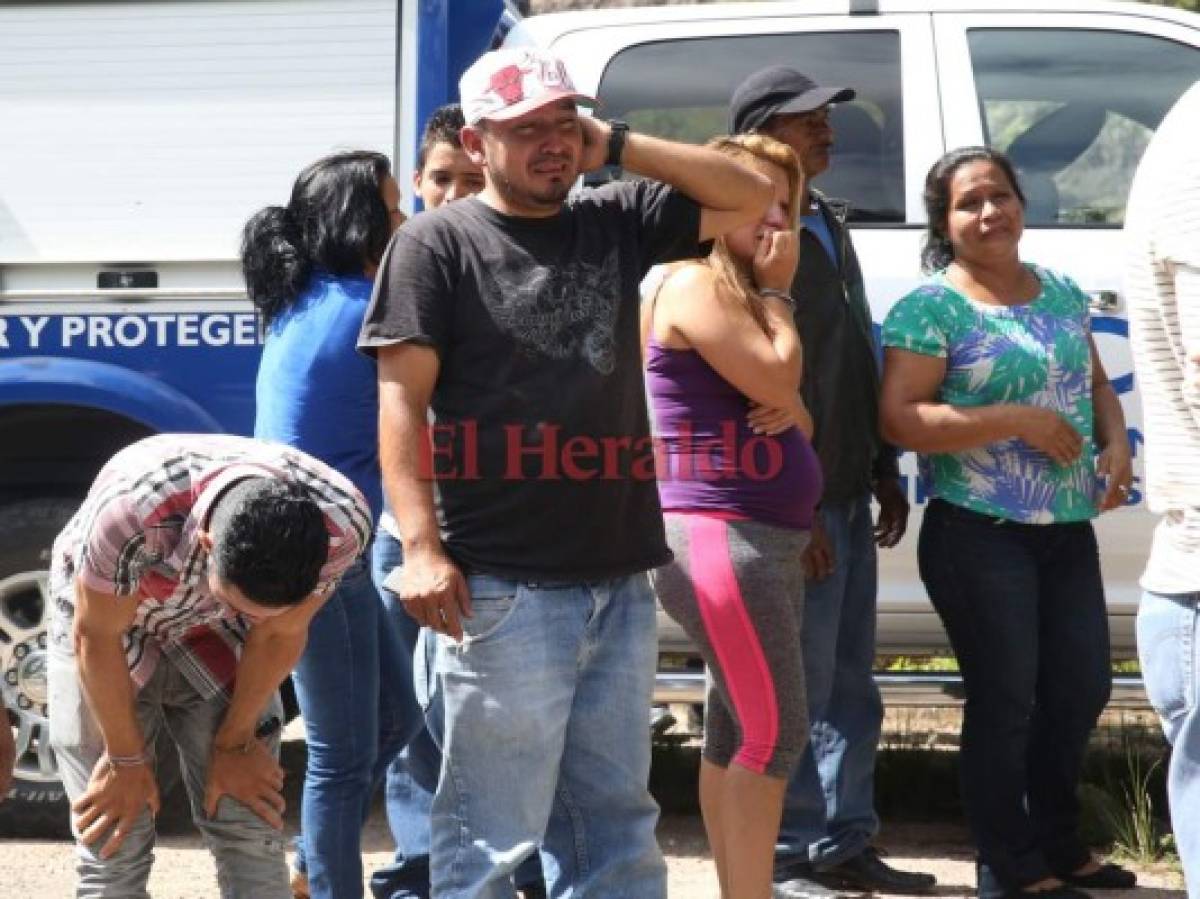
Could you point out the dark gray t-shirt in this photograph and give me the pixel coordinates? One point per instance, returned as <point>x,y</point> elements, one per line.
<point>542,455</point>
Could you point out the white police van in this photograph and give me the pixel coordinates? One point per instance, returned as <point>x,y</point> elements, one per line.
<point>136,138</point>
<point>1072,91</point>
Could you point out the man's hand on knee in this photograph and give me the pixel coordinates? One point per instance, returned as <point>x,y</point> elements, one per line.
<point>252,776</point>
<point>116,796</point>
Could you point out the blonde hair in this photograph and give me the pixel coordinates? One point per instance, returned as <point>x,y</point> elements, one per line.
<point>735,279</point>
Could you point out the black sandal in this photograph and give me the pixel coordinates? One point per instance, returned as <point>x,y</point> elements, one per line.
<point>1107,877</point>
<point>1065,891</point>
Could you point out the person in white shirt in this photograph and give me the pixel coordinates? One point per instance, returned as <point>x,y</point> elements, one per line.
<point>1162,228</point>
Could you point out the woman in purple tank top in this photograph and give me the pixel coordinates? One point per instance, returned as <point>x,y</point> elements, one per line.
<point>738,481</point>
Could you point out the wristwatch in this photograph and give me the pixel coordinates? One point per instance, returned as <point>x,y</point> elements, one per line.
<point>618,131</point>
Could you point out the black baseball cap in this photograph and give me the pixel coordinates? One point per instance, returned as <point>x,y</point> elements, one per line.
<point>775,90</point>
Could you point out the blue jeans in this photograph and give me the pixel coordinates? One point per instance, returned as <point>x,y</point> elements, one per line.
<point>1023,605</point>
<point>412,776</point>
<point>546,703</point>
<point>1168,636</point>
<point>359,710</point>
<point>249,853</point>
<point>829,810</point>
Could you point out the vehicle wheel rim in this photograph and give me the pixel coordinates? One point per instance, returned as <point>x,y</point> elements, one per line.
<point>24,616</point>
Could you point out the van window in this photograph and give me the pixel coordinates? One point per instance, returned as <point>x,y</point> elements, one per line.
<point>1074,128</point>
<point>680,89</point>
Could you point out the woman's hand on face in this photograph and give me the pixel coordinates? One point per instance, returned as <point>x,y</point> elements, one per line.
<point>1046,430</point>
<point>1115,465</point>
<point>775,259</point>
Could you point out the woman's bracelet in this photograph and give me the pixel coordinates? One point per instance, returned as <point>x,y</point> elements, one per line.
<point>127,761</point>
<point>779,295</point>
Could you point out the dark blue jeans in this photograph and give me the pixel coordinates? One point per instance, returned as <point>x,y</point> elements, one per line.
<point>412,776</point>
<point>829,810</point>
<point>359,711</point>
<point>1024,608</point>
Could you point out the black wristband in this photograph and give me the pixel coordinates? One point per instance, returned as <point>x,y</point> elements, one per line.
<point>618,131</point>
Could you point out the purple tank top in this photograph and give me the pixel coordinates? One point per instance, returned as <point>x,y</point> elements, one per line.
<point>710,459</point>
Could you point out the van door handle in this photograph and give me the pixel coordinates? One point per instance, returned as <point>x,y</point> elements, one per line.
<point>1103,301</point>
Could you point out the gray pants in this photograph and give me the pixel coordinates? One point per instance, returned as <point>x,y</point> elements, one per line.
<point>249,853</point>
<point>737,589</point>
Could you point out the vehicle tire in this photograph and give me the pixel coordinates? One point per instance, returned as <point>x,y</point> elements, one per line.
<point>37,803</point>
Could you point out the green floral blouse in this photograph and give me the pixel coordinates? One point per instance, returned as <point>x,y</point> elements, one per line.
<point>1035,354</point>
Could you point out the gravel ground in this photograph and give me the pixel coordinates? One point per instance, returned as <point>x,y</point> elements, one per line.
<point>184,869</point>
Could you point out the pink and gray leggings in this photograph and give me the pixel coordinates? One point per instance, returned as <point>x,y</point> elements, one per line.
<point>736,587</point>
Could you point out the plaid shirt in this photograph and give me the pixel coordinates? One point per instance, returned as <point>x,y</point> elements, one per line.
<point>137,532</point>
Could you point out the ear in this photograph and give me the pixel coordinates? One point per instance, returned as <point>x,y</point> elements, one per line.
<point>205,539</point>
<point>416,179</point>
<point>472,143</point>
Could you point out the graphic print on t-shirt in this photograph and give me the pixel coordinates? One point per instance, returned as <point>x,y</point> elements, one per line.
<point>561,312</point>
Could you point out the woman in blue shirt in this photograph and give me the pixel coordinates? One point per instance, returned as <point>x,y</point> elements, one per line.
<point>309,268</point>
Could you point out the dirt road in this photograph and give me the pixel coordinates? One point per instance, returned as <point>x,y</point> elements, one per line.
<point>183,868</point>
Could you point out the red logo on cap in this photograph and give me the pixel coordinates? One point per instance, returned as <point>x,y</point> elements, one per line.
<point>507,82</point>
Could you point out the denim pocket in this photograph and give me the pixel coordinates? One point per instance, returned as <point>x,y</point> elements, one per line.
<point>488,615</point>
<point>72,728</point>
<point>423,667</point>
<point>1166,629</point>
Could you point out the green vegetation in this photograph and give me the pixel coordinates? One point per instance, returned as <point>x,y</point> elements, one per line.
<point>1134,826</point>
<point>935,663</point>
<point>916,663</point>
<point>1178,4</point>
<point>1124,796</point>
<point>1092,187</point>
<point>693,125</point>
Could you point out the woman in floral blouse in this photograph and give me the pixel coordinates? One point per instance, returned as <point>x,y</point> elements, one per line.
<point>992,377</point>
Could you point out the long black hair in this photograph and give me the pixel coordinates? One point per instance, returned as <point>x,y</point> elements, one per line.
<point>936,251</point>
<point>336,220</point>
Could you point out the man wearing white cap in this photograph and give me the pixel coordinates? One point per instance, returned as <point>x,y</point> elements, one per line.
<point>513,316</point>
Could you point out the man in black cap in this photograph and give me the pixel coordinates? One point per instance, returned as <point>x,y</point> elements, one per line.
<point>829,814</point>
